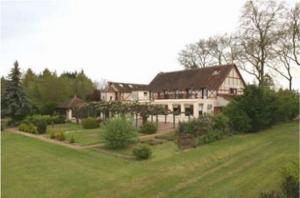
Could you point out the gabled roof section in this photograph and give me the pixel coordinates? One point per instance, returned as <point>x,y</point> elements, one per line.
<point>208,77</point>
<point>125,87</point>
<point>74,102</point>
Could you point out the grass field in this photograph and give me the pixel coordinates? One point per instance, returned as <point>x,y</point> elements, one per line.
<point>239,166</point>
<point>81,136</point>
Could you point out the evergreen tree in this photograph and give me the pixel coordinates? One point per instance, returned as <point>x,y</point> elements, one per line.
<point>14,102</point>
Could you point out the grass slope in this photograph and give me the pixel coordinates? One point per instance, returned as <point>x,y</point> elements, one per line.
<point>240,166</point>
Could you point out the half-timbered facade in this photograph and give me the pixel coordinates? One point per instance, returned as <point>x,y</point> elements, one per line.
<point>190,92</point>
<point>117,91</point>
<point>197,91</point>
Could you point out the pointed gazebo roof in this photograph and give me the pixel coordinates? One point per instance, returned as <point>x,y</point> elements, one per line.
<point>74,102</point>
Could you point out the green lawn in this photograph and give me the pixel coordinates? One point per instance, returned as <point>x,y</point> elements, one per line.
<point>239,166</point>
<point>81,136</point>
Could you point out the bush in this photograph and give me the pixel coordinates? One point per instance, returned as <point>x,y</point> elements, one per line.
<point>148,128</point>
<point>221,122</point>
<point>89,123</point>
<point>287,103</point>
<point>60,136</point>
<point>72,140</point>
<point>260,108</point>
<point>211,136</point>
<point>238,120</point>
<point>290,184</point>
<point>27,127</point>
<point>58,119</point>
<point>119,133</point>
<point>196,127</point>
<point>52,135</point>
<point>142,152</point>
<point>41,126</point>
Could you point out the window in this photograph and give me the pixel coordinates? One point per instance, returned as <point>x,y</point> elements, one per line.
<point>233,91</point>
<point>209,107</point>
<point>216,72</point>
<point>110,98</point>
<point>189,110</point>
<point>145,93</point>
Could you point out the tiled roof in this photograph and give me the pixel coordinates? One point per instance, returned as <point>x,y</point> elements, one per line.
<point>125,87</point>
<point>208,77</point>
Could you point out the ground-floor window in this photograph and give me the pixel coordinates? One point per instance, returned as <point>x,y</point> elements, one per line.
<point>189,110</point>
<point>176,108</point>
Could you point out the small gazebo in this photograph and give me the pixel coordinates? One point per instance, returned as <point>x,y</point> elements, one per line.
<point>71,105</point>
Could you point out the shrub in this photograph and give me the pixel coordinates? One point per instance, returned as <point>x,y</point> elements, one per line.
<point>27,127</point>
<point>260,108</point>
<point>89,123</point>
<point>238,121</point>
<point>290,184</point>
<point>196,127</point>
<point>58,119</point>
<point>41,126</point>
<point>287,103</point>
<point>52,135</point>
<point>142,152</point>
<point>211,136</point>
<point>148,128</point>
<point>221,122</point>
<point>72,140</point>
<point>60,136</point>
<point>119,133</point>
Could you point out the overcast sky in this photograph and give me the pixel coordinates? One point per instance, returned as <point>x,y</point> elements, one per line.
<point>126,41</point>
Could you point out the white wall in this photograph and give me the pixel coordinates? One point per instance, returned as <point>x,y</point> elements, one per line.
<point>232,81</point>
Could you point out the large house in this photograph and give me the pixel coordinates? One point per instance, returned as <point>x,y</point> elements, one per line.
<point>191,92</point>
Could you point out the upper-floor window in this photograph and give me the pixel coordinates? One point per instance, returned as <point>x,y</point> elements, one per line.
<point>233,91</point>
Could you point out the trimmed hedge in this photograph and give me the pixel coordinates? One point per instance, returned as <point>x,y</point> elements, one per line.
<point>142,152</point>
<point>89,123</point>
<point>28,127</point>
<point>56,119</point>
<point>148,128</point>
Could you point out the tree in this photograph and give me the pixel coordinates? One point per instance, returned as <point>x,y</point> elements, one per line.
<point>14,102</point>
<point>221,49</point>
<point>82,85</point>
<point>3,86</point>
<point>218,49</point>
<point>195,55</point>
<point>287,48</point>
<point>258,34</point>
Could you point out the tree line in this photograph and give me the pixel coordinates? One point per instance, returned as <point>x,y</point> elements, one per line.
<point>267,39</point>
<point>41,93</point>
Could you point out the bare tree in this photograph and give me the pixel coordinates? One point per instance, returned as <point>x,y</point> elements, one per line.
<point>294,32</point>
<point>258,34</point>
<point>195,55</point>
<point>287,48</point>
<point>221,48</point>
<point>217,49</point>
